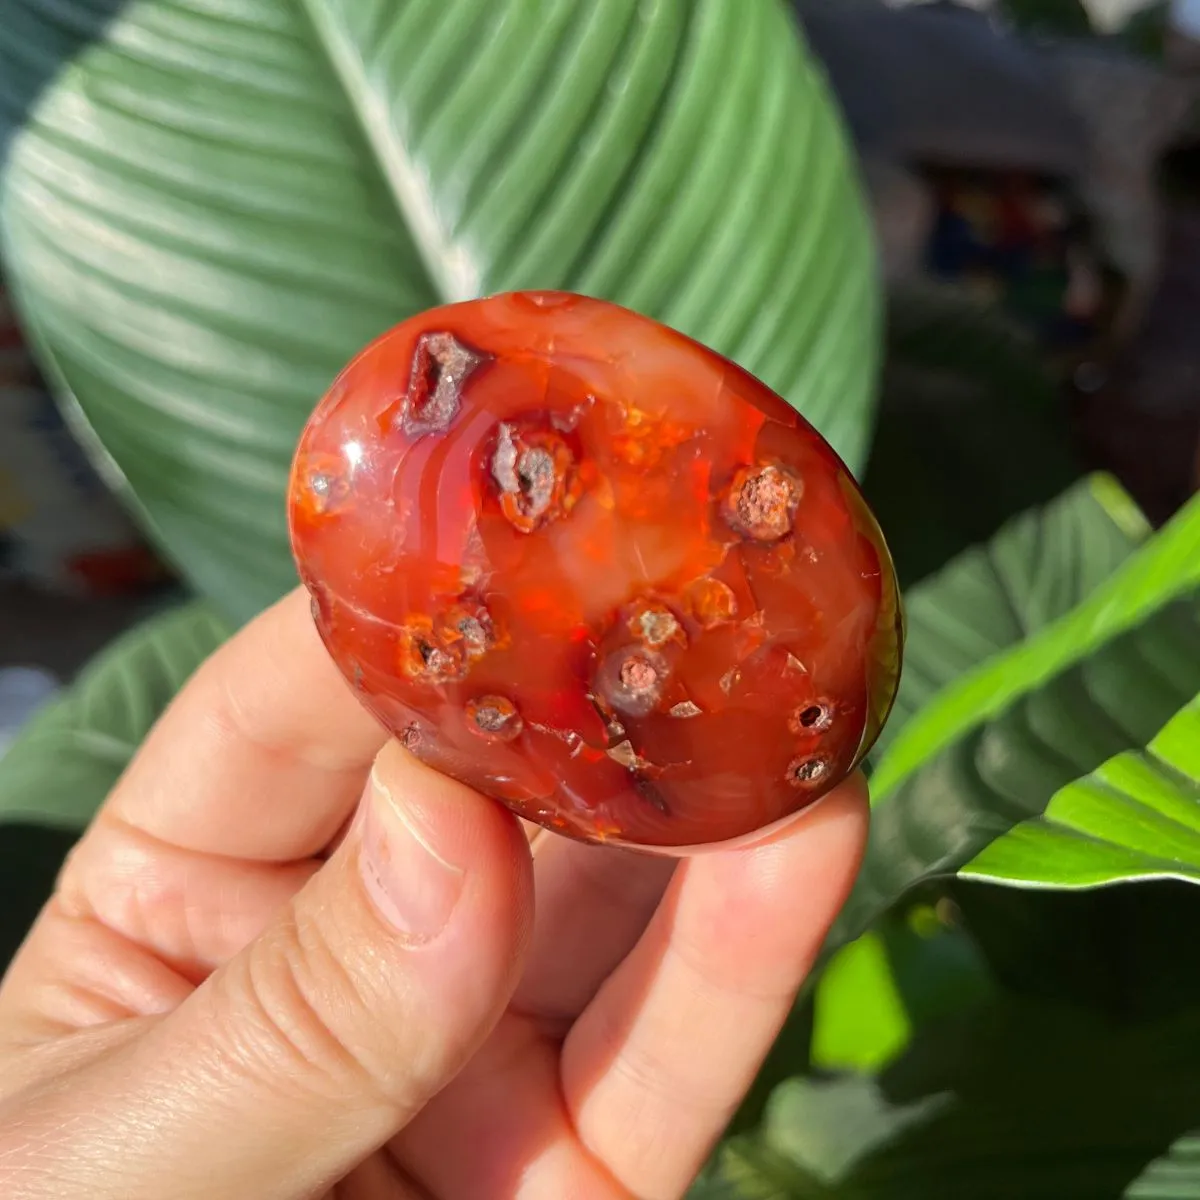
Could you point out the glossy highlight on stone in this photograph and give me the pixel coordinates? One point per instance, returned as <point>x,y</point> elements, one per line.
<point>595,570</point>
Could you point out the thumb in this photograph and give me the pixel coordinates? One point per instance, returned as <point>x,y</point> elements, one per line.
<point>309,1050</point>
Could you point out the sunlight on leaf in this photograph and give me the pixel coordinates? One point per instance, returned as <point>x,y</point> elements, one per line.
<point>1136,817</point>
<point>860,1023</point>
<point>992,747</point>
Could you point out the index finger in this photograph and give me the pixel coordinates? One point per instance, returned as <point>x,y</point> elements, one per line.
<point>264,753</point>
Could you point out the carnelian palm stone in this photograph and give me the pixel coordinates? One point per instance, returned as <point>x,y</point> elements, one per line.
<point>595,570</point>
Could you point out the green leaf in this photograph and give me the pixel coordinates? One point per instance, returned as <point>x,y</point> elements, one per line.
<point>1174,1176</point>
<point>860,1023</point>
<point>828,1125</point>
<point>750,1170</point>
<point>995,744</point>
<point>207,209</point>
<point>66,760</point>
<point>1112,950</point>
<point>1164,570</point>
<point>993,596</point>
<point>909,969</point>
<point>1135,817</point>
<point>1018,1100</point>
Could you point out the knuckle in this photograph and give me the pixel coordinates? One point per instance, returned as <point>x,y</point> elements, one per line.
<point>310,1018</point>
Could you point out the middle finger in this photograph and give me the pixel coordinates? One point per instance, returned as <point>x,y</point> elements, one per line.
<point>591,905</point>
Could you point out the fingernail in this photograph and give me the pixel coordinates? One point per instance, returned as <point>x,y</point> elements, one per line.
<point>414,887</point>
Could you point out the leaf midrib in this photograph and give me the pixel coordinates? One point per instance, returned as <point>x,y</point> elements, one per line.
<point>449,270</point>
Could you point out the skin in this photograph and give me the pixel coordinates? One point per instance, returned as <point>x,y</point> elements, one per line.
<point>287,960</point>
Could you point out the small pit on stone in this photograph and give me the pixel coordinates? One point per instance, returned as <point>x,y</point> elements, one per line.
<point>442,648</point>
<point>470,624</point>
<point>327,489</point>
<point>638,675</point>
<point>806,772</point>
<point>535,478</point>
<point>440,368</point>
<point>438,663</point>
<point>811,718</point>
<point>761,502</point>
<point>656,626</point>
<point>473,631</point>
<point>495,718</point>
<point>534,470</point>
<point>631,681</point>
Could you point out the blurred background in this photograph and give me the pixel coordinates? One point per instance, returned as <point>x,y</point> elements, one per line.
<point>964,239</point>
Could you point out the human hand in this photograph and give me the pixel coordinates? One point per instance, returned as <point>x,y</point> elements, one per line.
<point>264,975</point>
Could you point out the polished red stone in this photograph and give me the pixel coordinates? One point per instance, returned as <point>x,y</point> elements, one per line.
<point>595,570</point>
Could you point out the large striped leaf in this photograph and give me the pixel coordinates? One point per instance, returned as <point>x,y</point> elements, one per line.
<point>993,746</point>
<point>207,208</point>
<point>1135,817</point>
<point>67,758</point>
